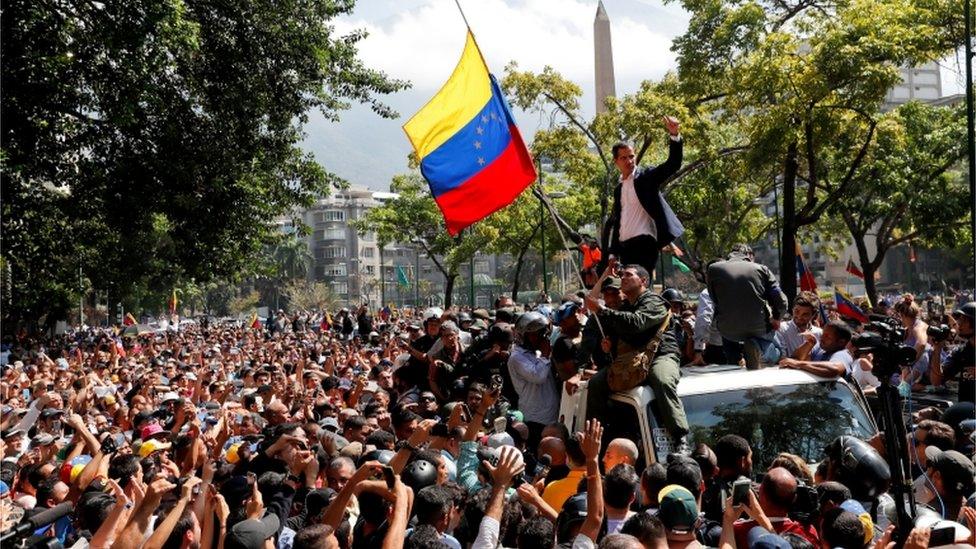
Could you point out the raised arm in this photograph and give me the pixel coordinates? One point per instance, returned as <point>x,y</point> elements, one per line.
<point>590,443</point>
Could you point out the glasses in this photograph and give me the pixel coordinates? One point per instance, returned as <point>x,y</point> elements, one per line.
<point>428,399</point>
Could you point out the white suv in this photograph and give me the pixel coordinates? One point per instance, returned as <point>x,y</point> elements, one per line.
<point>777,410</point>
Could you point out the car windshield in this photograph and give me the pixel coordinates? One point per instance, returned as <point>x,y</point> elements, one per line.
<point>800,419</point>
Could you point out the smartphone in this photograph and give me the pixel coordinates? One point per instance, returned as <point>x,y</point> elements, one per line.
<point>740,491</point>
<point>389,476</point>
<point>942,536</point>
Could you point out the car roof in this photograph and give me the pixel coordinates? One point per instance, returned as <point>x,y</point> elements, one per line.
<point>698,380</point>
<point>713,379</point>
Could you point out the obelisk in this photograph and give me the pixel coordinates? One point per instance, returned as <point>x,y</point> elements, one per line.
<point>603,58</point>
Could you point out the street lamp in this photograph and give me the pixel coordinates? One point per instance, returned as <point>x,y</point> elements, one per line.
<point>542,228</point>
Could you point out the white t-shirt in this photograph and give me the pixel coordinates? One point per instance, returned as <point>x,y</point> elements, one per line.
<point>634,220</point>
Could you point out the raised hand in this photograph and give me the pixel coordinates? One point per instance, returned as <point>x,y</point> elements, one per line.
<point>672,125</point>
<point>509,465</point>
<point>591,439</point>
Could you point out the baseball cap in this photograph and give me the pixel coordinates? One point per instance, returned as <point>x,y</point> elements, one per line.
<point>855,507</point>
<point>611,283</point>
<point>677,508</point>
<point>956,469</point>
<point>51,412</point>
<point>148,447</point>
<point>483,314</point>
<point>317,500</point>
<point>565,311</point>
<point>761,538</point>
<point>4,489</point>
<point>153,430</point>
<point>43,439</point>
<point>330,423</point>
<point>168,397</point>
<point>251,533</point>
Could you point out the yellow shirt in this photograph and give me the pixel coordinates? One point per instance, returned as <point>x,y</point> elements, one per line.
<point>558,491</point>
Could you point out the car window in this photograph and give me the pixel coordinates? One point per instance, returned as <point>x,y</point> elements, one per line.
<point>800,419</point>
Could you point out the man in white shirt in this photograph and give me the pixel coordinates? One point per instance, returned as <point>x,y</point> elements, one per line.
<point>793,334</point>
<point>641,222</point>
<point>532,375</point>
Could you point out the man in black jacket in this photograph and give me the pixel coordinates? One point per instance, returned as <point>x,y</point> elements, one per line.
<point>641,222</point>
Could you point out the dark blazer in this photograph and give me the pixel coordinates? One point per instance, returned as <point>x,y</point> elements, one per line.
<point>647,184</point>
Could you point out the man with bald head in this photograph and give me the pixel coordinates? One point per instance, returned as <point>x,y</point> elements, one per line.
<point>555,448</point>
<point>620,450</point>
<point>777,493</point>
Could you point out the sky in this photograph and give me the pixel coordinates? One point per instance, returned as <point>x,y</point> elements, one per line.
<point>421,41</point>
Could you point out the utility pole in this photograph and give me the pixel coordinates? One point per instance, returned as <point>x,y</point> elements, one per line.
<point>81,299</point>
<point>970,117</point>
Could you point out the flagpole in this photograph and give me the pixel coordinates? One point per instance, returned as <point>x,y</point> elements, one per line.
<point>471,32</point>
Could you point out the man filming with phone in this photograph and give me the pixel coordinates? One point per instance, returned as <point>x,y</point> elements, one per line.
<point>962,360</point>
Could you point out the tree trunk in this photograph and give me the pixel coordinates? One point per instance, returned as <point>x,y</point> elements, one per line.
<point>518,273</point>
<point>449,290</point>
<point>787,260</point>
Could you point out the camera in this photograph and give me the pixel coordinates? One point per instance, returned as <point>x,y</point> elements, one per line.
<point>496,382</point>
<point>884,338</point>
<point>806,507</point>
<point>941,332</point>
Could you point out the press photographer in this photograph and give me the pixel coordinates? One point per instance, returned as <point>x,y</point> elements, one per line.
<point>962,358</point>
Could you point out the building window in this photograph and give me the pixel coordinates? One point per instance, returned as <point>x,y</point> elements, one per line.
<point>334,234</point>
<point>338,269</point>
<point>340,287</point>
<point>370,270</point>
<point>369,251</point>
<point>481,266</point>
<point>334,215</point>
<point>335,251</point>
<point>369,237</point>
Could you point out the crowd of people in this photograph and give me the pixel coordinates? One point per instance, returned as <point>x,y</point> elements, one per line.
<point>442,429</point>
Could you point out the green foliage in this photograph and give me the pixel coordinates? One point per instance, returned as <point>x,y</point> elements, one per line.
<point>803,81</point>
<point>152,141</point>
<point>413,217</point>
<point>308,295</point>
<point>910,186</point>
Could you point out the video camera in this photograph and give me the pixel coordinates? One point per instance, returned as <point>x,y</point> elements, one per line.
<point>883,337</point>
<point>939,333</point>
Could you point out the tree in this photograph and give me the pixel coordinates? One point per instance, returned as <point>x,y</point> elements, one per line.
<point>909,187</point>
<point>307,295</point>
<point>713,194</point>
<point>157,140</point>
<point>413,217</point>
<point>244,302</point>
<point>800,76</point>
<point>292,257</point>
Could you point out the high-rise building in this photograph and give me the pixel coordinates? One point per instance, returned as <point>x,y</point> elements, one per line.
<point>921,83</point>
<point>603,58</point>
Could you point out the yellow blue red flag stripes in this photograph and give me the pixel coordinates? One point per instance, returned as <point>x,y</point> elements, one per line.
<point>470,151</point>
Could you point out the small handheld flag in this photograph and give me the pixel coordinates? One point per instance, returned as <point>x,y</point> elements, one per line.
<point>255,321</point>
<point>847,308</point>
<point>470,150</point>
<point>129,320</point>
<point>807,281</point>
<point>852,269</point>
<point>173,303</point>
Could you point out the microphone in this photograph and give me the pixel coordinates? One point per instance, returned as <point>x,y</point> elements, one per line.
<point>36,521</point>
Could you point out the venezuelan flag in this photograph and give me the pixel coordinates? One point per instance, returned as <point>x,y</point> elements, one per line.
<point>807,281</point>
<point>846,307</point>
<point>470,151</point>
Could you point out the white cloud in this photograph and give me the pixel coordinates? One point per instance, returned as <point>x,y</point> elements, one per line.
<point>423,44</point>
<point>421,41</point>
